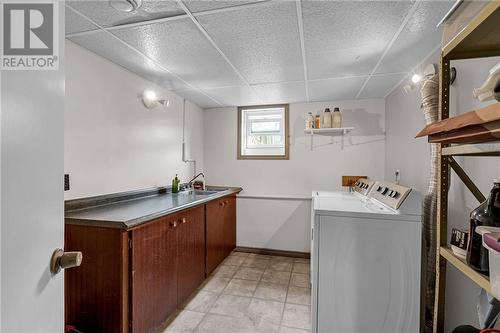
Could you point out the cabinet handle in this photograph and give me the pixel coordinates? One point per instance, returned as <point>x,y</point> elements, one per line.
<point>173,224</point>
<point>183,220</point>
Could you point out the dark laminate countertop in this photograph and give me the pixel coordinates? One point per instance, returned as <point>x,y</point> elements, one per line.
<point>130,213</point>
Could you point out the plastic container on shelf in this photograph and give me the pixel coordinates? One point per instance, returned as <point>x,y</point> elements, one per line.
<point>327,119</point>
<point>310,121</point>
<point>336,118</point>
<point>491,242</point>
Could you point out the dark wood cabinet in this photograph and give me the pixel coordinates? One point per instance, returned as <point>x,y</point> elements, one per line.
<point>221,230</point>
<point>215,235</point>
<point>191,252</point>
<point>229,225</point>
<point>96,293</point>
<point>133,280</point>
<point>153,273</point>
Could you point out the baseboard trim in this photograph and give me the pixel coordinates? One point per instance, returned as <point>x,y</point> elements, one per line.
<point>273,252</point>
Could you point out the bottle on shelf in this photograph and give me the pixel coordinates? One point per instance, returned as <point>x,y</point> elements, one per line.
<point>310,121</point>
<point>336,118</point>
<point>487,214</point>
<point>317,121</point>
<point>327,118</point>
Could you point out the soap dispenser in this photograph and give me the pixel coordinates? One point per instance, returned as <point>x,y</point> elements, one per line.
<point>175,184</point>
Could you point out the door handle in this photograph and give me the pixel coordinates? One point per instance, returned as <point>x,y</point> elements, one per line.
<point>173,224</point>
<point>183,220</point>
<point>61,259</point>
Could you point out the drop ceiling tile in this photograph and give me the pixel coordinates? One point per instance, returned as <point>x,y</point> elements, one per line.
<point>106,46</point>
<point>419,37</point>
<point>184,50</point>
<point>76,23</point>
<point>348,37</point>
<point>198,98</point>
<point>234,96</point>
<point>262,42</point>
<point>103,14</point>
<point>335,89</point>
<point>289,92</point>
<point>380,85</point>
<point>204,5</point>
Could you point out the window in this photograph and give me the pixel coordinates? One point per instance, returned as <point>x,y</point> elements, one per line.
<point>263,132</point>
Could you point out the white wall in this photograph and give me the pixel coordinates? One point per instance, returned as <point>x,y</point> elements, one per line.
<point>411,156</point>
<point>112,142</point>
<point>283,224</point>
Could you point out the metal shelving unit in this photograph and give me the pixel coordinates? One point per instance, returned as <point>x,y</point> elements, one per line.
<point>480,38</point>
<point>481,149</point>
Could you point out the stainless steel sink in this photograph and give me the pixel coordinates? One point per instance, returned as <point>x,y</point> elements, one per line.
<point>216,189</point>
<point>198,192</point>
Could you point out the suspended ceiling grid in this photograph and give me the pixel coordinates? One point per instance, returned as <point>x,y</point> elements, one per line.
<point>227,53</point>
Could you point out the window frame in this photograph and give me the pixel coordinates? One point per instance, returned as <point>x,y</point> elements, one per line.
<point>286,155</point>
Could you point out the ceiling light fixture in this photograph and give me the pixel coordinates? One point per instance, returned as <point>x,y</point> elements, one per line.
<point>150,100</point>
<point>126,6</point>
<point>416,78</point>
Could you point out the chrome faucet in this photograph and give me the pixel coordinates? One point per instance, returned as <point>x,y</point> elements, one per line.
<point>190,183</point>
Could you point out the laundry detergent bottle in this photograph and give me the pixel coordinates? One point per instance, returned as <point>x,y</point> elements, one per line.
<point>487,214</point>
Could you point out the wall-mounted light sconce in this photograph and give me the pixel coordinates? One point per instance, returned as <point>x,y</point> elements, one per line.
<point>150,100</point>
<point>429,71</point>
<point>416,78</point>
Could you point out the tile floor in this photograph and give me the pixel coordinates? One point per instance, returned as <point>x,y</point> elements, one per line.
<point>250,293</point>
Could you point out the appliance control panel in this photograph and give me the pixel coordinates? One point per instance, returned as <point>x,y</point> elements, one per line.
<point>363,185</point>
<point>389,193</point>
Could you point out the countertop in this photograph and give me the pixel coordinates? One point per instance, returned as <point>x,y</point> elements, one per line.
<point>131,213</point>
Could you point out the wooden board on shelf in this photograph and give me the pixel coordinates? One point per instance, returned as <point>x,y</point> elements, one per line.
<point>480,279</point>
<point>477,126</point>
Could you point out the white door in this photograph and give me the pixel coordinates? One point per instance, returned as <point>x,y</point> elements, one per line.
<point>32,212</point>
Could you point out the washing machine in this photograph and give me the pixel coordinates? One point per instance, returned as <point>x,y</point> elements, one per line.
<point>366,258</point>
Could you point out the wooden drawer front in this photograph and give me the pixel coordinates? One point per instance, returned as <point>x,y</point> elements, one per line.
<point>154,273</point>
<point>191,252</point>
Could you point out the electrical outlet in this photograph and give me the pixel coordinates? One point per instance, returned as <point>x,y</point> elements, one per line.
<point>66,182</point>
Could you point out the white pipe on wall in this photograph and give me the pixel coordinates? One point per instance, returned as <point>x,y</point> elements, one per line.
<point>184,138</point>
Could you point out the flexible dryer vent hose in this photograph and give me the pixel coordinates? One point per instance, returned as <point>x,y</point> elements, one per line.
<point>430,101</point>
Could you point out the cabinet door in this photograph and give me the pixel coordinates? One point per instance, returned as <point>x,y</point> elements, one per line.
<point>215,234</point>
<point>154,273</point>
<point>96,293</point>
<point>191,252</point>
<point>229,224</point>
